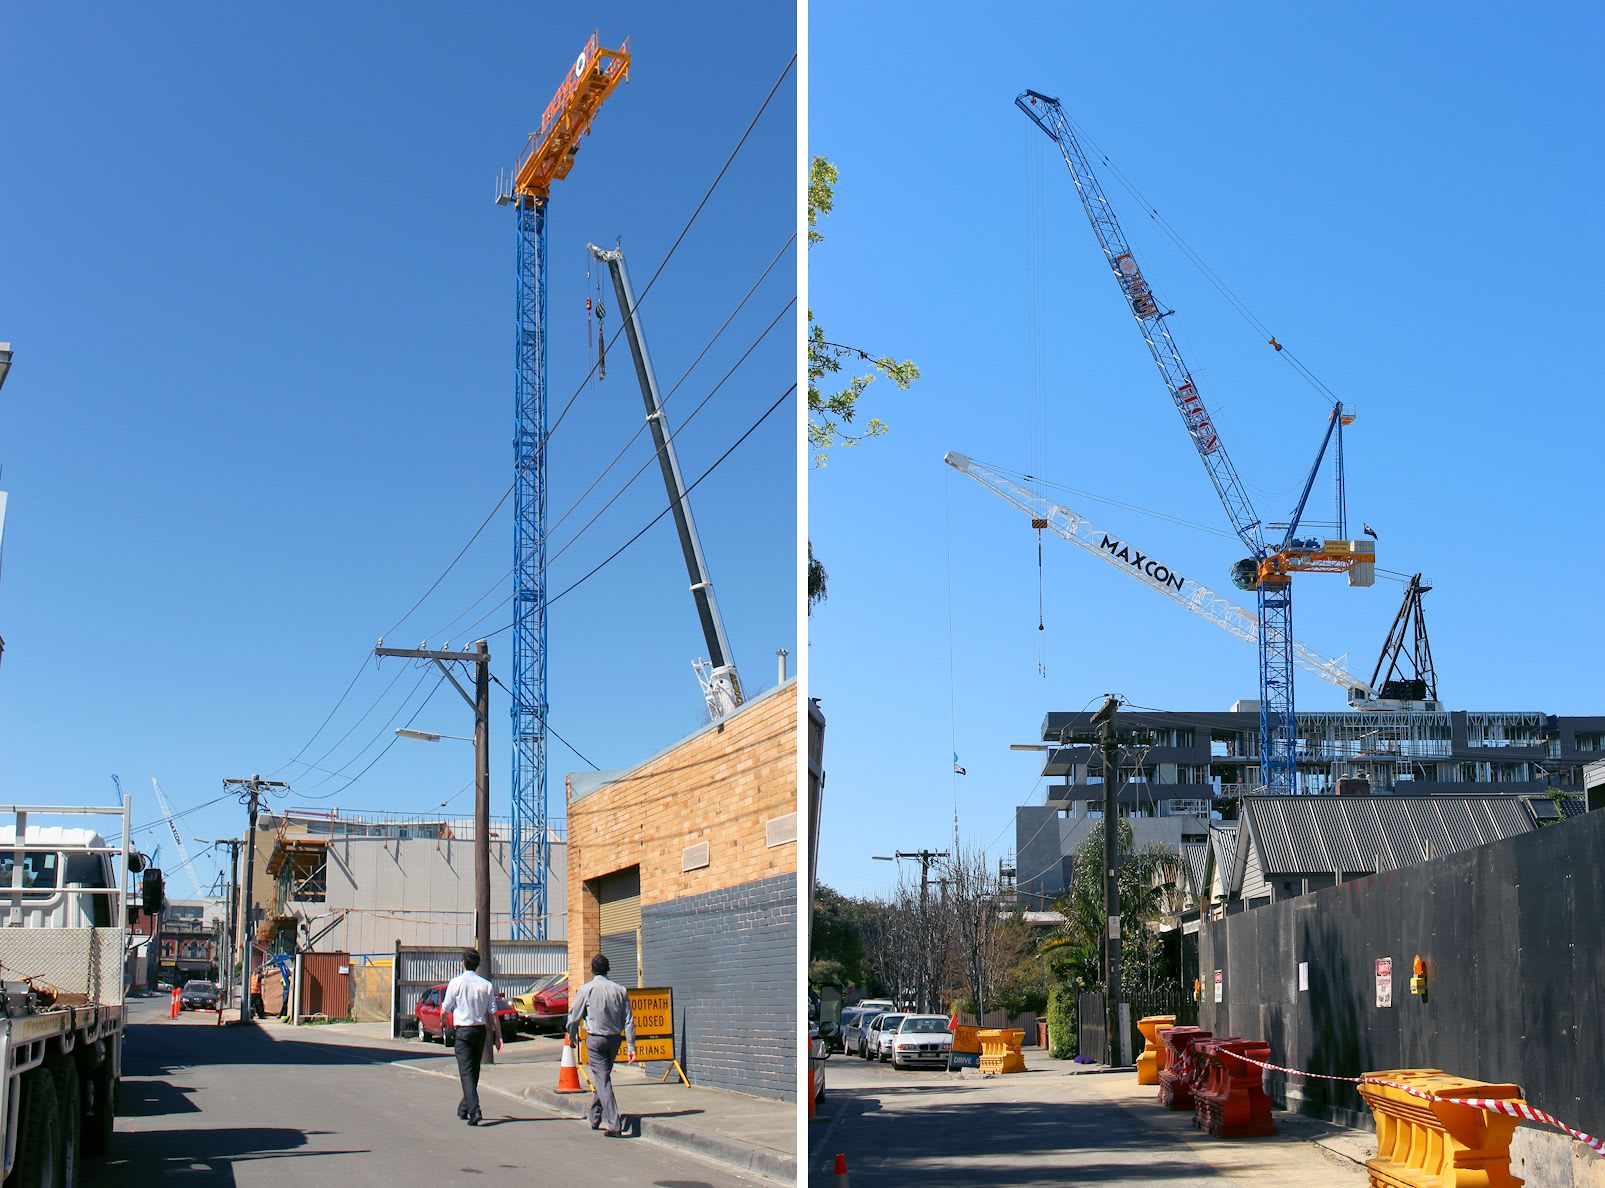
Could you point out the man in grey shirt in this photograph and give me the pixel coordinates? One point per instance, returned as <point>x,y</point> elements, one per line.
<point>604,1006</point>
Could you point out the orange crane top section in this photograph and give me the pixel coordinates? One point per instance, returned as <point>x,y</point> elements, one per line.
<point>551,151</point>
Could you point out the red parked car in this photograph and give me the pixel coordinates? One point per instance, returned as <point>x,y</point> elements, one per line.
<point>431,1025</point>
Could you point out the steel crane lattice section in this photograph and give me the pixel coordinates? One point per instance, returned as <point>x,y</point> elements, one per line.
<point>1268,572</point>
<point>548,157</point>
<point>1184,592</point>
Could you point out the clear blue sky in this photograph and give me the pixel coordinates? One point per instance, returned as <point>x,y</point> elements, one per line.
<point>262,306</point>
<point>1406,196</point>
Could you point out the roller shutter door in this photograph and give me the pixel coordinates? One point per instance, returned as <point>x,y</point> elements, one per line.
<point>619,897</point>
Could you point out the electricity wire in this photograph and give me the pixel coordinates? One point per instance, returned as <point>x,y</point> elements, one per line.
<point>678,239</point>
<point>640,297</point>
<point>751,429</point>
<point>1214,278</point>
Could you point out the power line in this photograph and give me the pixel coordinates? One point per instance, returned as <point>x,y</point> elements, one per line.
<point>614,555</point>
<point>673,248</point>
<point>678,239</point>
<point>386,749</point>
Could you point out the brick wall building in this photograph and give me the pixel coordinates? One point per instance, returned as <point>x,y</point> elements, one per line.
<point>684,872</point>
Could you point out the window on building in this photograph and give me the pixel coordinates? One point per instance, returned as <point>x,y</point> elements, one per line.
<point>1589,740</point>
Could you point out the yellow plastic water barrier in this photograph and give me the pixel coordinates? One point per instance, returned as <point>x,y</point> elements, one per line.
<point>1148,1061</point>
<point>1000,1050</point>
<point>1439,1143</point>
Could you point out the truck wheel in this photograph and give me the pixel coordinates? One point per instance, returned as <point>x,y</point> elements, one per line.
<point>70,1104</point>
<point>102,1119</point>
<point>39,1144</point>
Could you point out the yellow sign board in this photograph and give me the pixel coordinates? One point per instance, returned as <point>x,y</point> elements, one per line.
<point>653,1010</point>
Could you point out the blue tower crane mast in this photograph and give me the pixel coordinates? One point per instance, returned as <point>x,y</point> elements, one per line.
<point>1272,562</point>
<point>548,157</point>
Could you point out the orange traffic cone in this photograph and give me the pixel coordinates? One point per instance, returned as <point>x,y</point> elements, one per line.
<point>173,1012</point>
<point>841,1171</point>
<point>568,1073</point>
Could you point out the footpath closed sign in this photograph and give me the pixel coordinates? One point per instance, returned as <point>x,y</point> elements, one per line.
<point>1384,981</point>
<point>654,1023</point>
<point>653,1009</point>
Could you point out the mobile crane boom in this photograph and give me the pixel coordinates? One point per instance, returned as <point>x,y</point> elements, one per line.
<point>721,686</point>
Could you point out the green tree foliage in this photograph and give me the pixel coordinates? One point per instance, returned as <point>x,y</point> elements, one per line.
<point>837,958</point>
<point>1062,1038</point>
<point>833,398</point>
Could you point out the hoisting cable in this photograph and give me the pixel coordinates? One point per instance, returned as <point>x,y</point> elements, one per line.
<point>1209,273</point>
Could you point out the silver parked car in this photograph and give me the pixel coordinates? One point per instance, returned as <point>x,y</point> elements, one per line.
<point>920,1041</point>
<point>880,1036</point>
<point>851,1029</point>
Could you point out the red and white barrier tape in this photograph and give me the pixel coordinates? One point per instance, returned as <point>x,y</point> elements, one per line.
<point>1514,1109</point>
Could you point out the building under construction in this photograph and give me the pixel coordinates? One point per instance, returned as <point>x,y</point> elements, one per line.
<point>1186,767</point>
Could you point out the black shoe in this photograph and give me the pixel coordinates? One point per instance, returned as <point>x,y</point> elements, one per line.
<point>596,1126</point>
<point>473,1119</point>
<point>613,1133</point>
<point>462,1115</point>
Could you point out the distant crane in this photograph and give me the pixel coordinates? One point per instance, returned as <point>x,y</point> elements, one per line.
<point>721,686</point>
<point>1268,570</point>
<point>548,157</point>
<point>1120,553</point>
<point>183,850</point>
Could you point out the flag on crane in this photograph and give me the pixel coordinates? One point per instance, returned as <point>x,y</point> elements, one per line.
<point>957,770</point>
<point>1368,530</point>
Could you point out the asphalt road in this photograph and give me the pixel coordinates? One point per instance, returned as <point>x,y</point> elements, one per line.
<point>242,1105</point>
<point>1037,1128</point>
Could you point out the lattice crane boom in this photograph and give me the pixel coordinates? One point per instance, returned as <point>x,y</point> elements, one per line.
<point>1122,555</point>
<point>1268,571</point>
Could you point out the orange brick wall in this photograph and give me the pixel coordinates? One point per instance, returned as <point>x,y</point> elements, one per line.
<point>720,786</point>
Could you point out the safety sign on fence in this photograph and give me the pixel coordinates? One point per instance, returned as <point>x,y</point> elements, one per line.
<point>1384,981</point>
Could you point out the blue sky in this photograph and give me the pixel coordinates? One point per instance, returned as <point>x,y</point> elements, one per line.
<point>262,306</point>
<point>1405,196</point>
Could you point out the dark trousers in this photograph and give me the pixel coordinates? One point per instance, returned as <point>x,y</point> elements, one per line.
<point>470,1051</point>
<point>601,1051</point>
<point>257,1011</point>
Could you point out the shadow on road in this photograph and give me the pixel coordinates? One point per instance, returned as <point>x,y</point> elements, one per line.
<point>207,1154</point>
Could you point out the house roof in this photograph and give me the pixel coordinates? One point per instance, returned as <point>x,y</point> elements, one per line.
<point>1223,841</point>
<point>1303,835</point>
<point>1195,861</point>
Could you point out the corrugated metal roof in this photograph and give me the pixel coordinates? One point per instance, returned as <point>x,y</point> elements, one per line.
<point>1300,835</point>
<point>1223,838</point>
<point>1195,858</point>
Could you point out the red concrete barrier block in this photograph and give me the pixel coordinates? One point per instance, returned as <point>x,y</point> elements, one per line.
<point>1176,1078</point>
<point>1231,1103</point>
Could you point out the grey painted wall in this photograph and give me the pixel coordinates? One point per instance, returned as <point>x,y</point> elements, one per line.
<point>1514,943</point>
<point>730,957</point>
<point>419,891</point>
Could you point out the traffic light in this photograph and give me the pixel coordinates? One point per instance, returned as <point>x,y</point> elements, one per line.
<point>151,891</point>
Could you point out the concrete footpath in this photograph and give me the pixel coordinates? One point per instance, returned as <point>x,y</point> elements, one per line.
<point>748,1133</point>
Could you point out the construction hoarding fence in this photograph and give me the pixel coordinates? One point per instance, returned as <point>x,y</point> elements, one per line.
<point>1513,955</point>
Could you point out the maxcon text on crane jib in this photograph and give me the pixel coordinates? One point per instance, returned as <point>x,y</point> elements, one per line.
<point>1143,564</point>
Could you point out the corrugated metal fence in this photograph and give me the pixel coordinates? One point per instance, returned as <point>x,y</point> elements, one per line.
<point>517,964</point>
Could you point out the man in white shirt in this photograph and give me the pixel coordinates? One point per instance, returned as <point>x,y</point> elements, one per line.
<point>471,1001</point>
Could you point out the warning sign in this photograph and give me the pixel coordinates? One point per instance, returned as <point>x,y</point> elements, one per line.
<point>653,1009</point>
<point>1384,981</point>
<point>1220,985</point>
<point>654,1015</point>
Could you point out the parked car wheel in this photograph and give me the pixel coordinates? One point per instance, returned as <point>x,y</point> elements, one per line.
<point>448,1036</point>
<point>884,1054</point>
